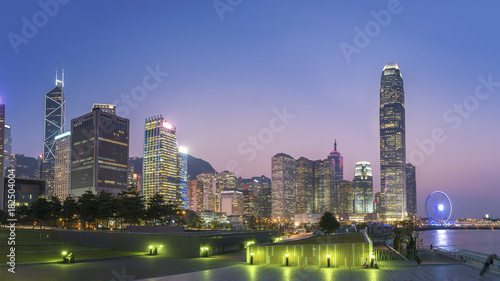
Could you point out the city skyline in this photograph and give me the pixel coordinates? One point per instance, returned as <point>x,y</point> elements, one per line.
<point>236,76</point>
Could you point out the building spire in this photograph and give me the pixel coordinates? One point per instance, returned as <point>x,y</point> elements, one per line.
<point>335,145</point>
<point>62,79</point>
<point>56,72</point>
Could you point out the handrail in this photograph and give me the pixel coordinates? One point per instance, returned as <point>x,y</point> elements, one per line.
<point>464,258</point>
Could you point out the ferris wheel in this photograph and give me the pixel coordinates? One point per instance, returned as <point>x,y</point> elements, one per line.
<point>438,208</point>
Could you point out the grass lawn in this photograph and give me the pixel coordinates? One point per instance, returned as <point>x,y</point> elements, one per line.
<point>330,239</point>
<point>49,253</point>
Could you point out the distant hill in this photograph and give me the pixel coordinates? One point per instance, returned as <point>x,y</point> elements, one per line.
<point>198,166</point>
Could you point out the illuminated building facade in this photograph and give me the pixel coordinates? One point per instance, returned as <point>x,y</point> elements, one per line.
<point>305,191</point>
<point>231,202</point>
<point>411,191</point>
<point>363,188</point>
<point>182,198</point>
<point>324,186</point>
<point>346,197</point>
<point>192,193</point>
<point>62,168</point>
<point>338,165</point>
<point>2,139</point>
<point>392,143</point>
<point>160,168</point>
<point>99,153</point>
<point>106,108</point>
<point>54,122</point>
<point>284,182</point>
<point>207,192</point>
<point>7,149</point>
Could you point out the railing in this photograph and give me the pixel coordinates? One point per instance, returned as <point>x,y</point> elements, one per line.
<point>470,258</point>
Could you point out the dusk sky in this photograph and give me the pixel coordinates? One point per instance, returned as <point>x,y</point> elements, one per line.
<point>233,64</point>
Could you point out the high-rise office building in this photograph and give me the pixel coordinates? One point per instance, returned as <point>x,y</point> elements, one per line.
<point>54,122</point>
<point>62,168</point>
<point>2,142</point>
<point>392,143</point>
<point>305,191</point>
<point>7,149</point>
<point>192,194</point>
<point>324,186</point>
<point>377,203</point>
<point>248,202</point>
<point>207,192</point>
<point>160,168</point>
<point>411,191</point>
<point>135,173</point>
<point>106,108</point>
<point>346,197</point>
<point>363,188</point>
<point>99,153</point>
<point>231,202</point>
<point>284,183</point>
<point>338,165</point>
<point>182,176</point>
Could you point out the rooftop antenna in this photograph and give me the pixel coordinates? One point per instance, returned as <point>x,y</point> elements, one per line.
<point>62,81</point>
<point>56,72</point>
<point>335,145</point>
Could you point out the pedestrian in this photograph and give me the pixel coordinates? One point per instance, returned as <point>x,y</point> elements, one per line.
<point>431,246</point>
<point>487,263</point>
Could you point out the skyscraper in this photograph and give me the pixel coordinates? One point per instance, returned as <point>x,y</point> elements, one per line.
<point>54,122</point>
<point>363,188</point>
<point>411,191</point>
<point>192,193</point>
<point>207,188</point>
<point>99,153</point>
<point>338,165</point>
<point>62,168</point>
<point>324,186</point>
<point>161,160</point>
<point>284,182</point>
<point>346,197</point>
<point>2,141</point>
<point>7,162</point>
<point>392,143</point>
<point>182,198</point>
<point>305,191</point>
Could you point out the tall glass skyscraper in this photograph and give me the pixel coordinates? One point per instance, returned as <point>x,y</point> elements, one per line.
<point>54,121</point>
<point>284,184</point>
<point>392,143</point>
<point>338,165</point>
<point>164,165</point>
<point>62,174</point>
<point>411,191</point>
<point>7,148</point>
<point>363,188</point>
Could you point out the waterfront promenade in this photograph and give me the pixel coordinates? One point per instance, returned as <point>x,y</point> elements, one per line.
<point>244,272</point>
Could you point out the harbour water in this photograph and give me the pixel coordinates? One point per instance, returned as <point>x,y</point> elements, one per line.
<point>477,240</point>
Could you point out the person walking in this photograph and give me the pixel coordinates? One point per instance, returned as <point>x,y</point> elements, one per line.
<point>487,263</point>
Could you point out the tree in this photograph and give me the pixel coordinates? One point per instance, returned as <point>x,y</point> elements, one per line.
<point>40,209</point>
<point>406,234</point>
<point>106,207</point>
<point>69,211</point>
<point>158,212</point>
<point>328,223</point>
<point>130,206</point>
<point>87,208</point>
<point>55,209</point>
<point>25,215</point>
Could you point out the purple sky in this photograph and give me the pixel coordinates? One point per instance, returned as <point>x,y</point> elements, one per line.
<point>230,70</point>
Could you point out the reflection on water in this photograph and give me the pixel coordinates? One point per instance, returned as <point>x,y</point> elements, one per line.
<point>484,241</point>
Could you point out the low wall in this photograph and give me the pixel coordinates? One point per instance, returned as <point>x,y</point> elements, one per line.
<point>187,245</point>
<point>341,254</point>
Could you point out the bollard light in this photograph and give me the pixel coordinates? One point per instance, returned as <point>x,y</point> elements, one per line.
<point>151,250</point>
<point>251,258</point>
<point>328,260</point>
<point>286,256</point>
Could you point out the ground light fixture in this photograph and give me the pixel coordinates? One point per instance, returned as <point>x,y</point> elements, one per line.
<point>151,250</point>
<point>251,258</point>
<point>371,259</point>
<point>286,258</point>
<point>68,258</point>
<point>328,260</point>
